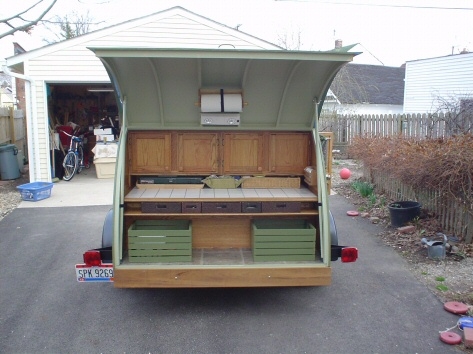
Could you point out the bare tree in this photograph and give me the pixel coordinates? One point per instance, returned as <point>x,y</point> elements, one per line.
<point>20,21</point>
<point>70,26</point>
<point>290,41</point>
<point>456,112</point>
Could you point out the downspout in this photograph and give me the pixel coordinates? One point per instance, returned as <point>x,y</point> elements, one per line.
<point>33,151</point>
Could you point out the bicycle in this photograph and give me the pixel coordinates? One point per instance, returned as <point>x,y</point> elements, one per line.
<point>74,159</point>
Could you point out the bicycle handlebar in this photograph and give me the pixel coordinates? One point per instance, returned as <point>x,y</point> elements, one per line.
<point>71,135</point>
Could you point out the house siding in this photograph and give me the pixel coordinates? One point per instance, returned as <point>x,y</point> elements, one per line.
<point>72,62</point>
<point>429,79</point>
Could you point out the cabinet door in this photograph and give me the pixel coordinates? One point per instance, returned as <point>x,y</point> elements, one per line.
<point>243,153</point>
<point>289,153</point>
<point>150,152</point>
<point>197,153</point>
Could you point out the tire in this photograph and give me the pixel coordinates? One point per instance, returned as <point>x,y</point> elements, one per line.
<point>80,162</point>
<point>107,232</point>
<point>70,166</point>
<point>333,230</point>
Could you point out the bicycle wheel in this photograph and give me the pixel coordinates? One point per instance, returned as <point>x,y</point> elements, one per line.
<point>70,165</point>
<point>80,155</point>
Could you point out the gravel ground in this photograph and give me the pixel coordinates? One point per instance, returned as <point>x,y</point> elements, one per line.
<point>450,279</point>
<point>10,196</point>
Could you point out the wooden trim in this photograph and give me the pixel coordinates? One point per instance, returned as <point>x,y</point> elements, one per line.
<point>206,277</point>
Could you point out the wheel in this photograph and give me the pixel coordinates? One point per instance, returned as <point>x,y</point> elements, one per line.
<point>80,163</point>
<point>70,166</point>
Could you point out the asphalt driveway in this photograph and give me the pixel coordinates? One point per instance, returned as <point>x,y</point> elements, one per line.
<point>373,306</point>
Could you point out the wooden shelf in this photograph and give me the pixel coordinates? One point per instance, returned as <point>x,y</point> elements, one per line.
<point>138,213</point>
<point>213,195</point>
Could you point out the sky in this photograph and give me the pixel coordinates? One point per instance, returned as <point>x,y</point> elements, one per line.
<point>389,32</point>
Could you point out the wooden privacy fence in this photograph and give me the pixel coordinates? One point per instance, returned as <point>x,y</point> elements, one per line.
<point>347,127</point>
<point>455,216</point>
<point>13,128</point>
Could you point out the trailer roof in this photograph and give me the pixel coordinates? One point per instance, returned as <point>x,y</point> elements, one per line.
<point>162,88</point>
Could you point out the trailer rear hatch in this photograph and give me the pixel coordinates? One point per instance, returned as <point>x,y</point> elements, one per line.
<point>228,91</point>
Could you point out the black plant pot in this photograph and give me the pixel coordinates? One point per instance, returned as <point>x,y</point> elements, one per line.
<point>403,212</point>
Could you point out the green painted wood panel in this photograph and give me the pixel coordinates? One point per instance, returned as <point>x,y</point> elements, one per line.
<point>283,240</point>
<point>160,241</point>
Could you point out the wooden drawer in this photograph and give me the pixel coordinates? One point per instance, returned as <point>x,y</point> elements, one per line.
<point>251,207</point>
<point>281,207</point>
<point>221,207</point>
<point>191,207</point>
<point>156,207</point>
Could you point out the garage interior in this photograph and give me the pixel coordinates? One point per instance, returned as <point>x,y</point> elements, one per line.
<point>81,110</point>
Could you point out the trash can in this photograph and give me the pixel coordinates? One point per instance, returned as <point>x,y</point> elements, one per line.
<point>9,168</point>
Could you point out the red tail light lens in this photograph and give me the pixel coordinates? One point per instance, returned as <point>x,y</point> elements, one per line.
<point>349,254</point>
<point>92,258</point>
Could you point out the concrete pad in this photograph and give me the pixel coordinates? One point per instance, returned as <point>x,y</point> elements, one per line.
<point>83,189</point>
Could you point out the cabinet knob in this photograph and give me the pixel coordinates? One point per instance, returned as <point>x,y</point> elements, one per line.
<point>260,168</point>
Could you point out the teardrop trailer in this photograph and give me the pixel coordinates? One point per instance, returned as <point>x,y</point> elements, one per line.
<point>243,121</point>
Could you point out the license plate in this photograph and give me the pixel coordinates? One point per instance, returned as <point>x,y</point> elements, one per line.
<point>86,273</point>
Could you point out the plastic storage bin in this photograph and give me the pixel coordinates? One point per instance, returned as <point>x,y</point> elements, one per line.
<point>9,168</point>
<point>35,191</point>
<point>105,167</point>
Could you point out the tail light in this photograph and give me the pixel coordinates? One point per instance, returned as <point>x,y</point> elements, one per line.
<point>349,254</point>
<point>92,258</point>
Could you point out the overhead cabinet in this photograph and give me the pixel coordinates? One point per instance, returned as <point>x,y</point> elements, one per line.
<point>197,153</point>
<point>226,153</point>
<point>289,153</point>
<point>150,152</point>
<point>244,153</point>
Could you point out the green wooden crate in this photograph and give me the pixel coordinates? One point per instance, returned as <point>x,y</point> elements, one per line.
<point>160,241</point>
<point>283,240</point>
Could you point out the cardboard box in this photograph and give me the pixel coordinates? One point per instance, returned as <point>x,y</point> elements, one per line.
<point>105,167</point>
<point>103,131</point>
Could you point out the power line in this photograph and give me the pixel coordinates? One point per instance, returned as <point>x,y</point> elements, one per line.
<point>386,5</point>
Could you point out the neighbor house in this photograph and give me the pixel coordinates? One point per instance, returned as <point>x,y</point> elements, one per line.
<point>366,89</point>
<point>65,82</point>
<point>432,84</point>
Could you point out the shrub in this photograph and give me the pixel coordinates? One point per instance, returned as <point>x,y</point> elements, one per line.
<point>444,165</point>
<point>364,189</point>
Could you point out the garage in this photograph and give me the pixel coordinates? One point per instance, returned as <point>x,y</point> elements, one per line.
<point>66,83</point>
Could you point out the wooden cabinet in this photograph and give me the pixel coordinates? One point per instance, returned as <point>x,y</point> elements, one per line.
<point>220,153</point>
<point>288,153</point>
<point>150,152</point>
<point>197,153</point>
<point>243,153</point>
